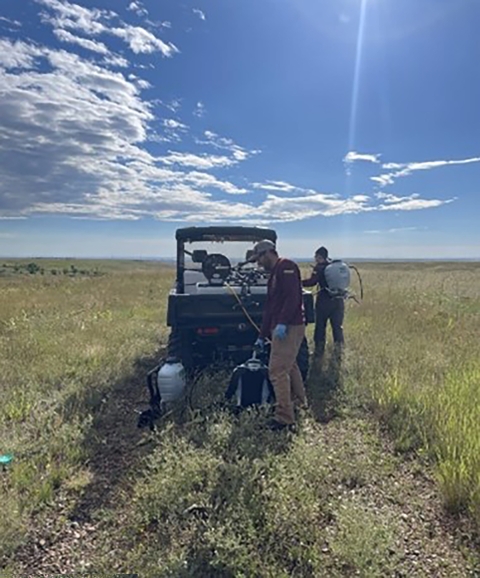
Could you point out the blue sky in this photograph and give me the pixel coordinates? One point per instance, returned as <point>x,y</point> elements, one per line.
<point>349,123</point>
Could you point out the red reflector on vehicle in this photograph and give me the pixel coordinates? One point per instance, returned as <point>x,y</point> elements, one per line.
<point>207,330</point>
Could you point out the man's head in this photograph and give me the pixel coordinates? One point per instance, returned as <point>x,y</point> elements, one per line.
<point>321,255</point>
<point>265,254</point>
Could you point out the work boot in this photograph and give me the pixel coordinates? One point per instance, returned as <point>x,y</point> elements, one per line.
<point>318,354</point>
<point>275,425</point>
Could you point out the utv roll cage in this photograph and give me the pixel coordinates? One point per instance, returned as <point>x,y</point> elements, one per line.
<point>217,234</point>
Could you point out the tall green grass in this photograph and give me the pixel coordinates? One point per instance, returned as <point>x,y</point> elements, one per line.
<point>415,354</point>
<point>64,343</point>
<point>220,495</point>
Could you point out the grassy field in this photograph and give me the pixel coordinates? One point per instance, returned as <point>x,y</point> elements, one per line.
<point>212,495</point>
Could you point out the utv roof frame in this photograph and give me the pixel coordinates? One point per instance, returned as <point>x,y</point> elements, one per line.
<point>224,233</point>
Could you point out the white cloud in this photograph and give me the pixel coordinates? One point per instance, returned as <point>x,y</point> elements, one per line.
<point>95,22</point>
<point>206,180</point>
<point>283,187</point>
<point>204,162</point>
<point>72,143</point>
<point>406,169</point>
<point>389,198</point>
<point>115,61</point>
<point>199,13</point>
<point>92,45</point>
<point>394,230</point>
<point>226,144</point>
<point>383,180</point>
<point>174,124</point>
<point>280,186</point>
<point>217,141</point>
<point>138,8</point>
<point>353,156</point>
<point>200,110</point>
<point>414,204</point>
<point>143,41</point>
<point>76,17</point>
<point>9,21</point>
<point>18,54</point>
<point>174,105</point>
<point>74,137</point>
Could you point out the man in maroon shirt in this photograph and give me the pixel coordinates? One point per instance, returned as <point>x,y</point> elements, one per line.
<point>284,324</point>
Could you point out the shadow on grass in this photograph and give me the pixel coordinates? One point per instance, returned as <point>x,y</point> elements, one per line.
<point>111,445</point>
<point>243,450</point>
<point>325,386</point>
<point>249,437</point>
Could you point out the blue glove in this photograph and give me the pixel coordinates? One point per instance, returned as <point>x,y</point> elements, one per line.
<point>280,332</point>
<point>259,344</point>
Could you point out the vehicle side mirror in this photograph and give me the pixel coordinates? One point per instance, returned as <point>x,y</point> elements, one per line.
<point>199,255</point>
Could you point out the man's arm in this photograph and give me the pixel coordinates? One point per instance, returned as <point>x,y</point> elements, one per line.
<point>312,281</point>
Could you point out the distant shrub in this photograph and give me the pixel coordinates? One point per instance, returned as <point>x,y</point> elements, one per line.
<point>33,268</point>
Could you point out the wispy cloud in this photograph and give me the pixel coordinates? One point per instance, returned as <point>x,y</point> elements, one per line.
<point>226,144</point>
<point>353,156</point>
<point>138,8</point>
<point>398,170</point>
<point>412,202</point>
<point>95,22</point>
<point>200,110</point>
<point>394,230</point>
<point>15,23</point>
<point>174,124</point>
<point>383,180</point>
<point>142,41</point>
<point>204,161</point>
<point>86,43</point>
<point>76,131</point>
<point>415,204</point>
<point>279,186</point>
<point>199,13</point>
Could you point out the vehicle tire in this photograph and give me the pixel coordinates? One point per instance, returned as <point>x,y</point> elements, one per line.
<point>303,361</point>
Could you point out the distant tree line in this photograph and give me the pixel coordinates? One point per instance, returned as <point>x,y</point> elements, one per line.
<point>36,269</point>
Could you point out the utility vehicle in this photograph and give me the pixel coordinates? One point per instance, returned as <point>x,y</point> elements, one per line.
<point>215,308</point>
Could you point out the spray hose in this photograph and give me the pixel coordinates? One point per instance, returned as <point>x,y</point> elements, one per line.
<point>360,281</point>
<point>247,314</point>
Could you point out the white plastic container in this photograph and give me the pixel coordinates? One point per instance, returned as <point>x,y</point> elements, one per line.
<point>171,380</point>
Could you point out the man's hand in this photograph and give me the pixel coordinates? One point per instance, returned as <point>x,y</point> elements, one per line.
<point>259,345</point>
<point>280,332</point>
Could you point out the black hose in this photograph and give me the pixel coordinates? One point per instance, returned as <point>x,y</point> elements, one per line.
<point>359,279</point>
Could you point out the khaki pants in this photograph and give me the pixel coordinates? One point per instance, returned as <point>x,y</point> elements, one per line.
<point>284,373</point>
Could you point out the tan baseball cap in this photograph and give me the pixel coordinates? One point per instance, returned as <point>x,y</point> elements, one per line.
<point>262,247</point>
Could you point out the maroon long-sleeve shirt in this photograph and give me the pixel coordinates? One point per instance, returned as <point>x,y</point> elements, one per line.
<point>284,297</point>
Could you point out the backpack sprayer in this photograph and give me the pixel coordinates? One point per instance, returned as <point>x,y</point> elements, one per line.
<point>338,277</point>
